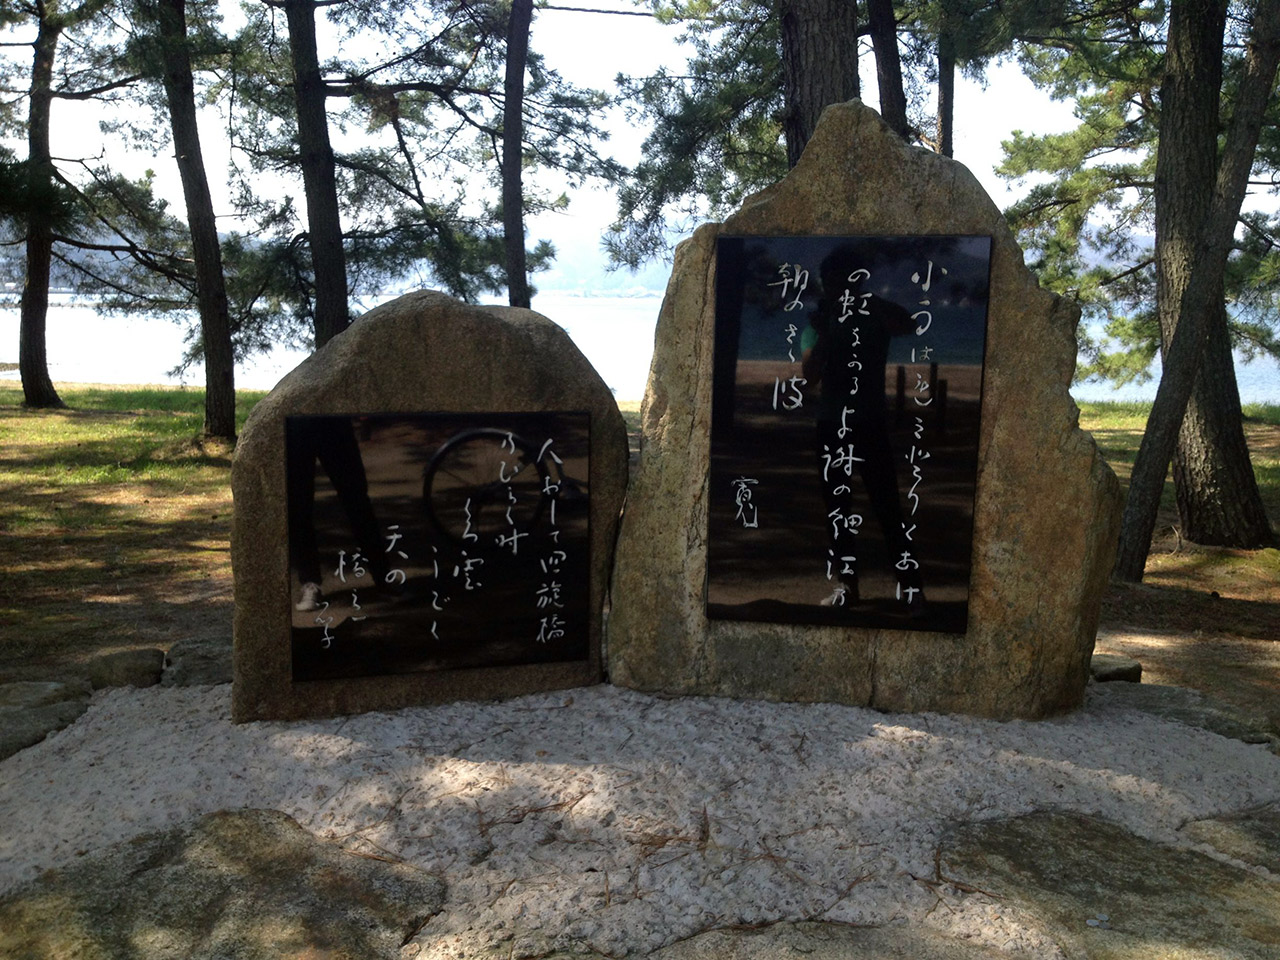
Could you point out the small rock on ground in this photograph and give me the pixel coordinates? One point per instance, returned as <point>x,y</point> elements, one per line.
<point>126,668</point>
<point>1108,667</point>
<point>197,662</point>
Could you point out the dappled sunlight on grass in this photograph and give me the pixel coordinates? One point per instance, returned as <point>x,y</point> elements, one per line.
<point>115,525</point>
<point>1246,574</point>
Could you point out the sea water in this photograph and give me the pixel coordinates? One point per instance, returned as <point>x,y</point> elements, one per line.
<point>614,332</point>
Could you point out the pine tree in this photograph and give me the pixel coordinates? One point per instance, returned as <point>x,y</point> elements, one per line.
<point>1209,234</point>
<point>1114,183</point>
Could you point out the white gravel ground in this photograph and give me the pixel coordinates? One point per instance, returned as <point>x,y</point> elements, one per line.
<point>623,820</point>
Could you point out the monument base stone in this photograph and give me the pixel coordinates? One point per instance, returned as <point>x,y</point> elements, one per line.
<point>1047,506</point>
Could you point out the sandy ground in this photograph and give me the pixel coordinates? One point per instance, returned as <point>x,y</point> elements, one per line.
<point>622,820</point>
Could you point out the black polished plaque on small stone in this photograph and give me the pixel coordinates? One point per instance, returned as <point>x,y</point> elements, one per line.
<point>430,542</point>
<point>846,409</point>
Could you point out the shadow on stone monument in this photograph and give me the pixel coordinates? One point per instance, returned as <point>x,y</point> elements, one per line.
<point>1044,516</point>
<point>461,544</point>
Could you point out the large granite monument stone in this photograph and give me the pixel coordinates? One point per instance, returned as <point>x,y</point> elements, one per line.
<point>1010,613</point>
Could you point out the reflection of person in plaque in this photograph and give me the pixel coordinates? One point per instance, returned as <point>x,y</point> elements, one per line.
<point>845,352</point>
<point>331,440</point>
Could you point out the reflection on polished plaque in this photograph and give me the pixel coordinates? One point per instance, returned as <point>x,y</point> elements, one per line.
<point>422,542</point>
<point>844,440</point>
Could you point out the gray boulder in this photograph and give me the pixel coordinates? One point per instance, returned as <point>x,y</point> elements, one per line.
<point>1252,837</point>
<point>1193,708</point>
<point>1102,893</point>
<point>826,941</point>
<point>248,885</point>
<point>30,710</point>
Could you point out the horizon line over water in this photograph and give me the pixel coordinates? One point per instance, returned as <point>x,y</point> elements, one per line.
<point>613,330</point>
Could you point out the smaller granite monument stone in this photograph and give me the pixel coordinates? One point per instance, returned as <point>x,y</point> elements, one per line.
<point>425,511</point>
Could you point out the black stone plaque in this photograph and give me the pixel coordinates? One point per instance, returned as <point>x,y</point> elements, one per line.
<point>433,542</point>
<point>844,436</point>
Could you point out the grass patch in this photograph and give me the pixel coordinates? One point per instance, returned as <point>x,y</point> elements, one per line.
<point>114,522</point>
<point>1117,428</point>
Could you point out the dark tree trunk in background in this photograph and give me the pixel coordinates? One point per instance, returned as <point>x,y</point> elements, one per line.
<point>946,94</point>
<point>884,43</point>
<point>1217,493</point>
<point>33,361</point>
<point>211,293</point>
<point>1209,244</point>
<point>324,225</point>
<point>819,64</point>
<point>513,153</point>
<point>1216,490</point>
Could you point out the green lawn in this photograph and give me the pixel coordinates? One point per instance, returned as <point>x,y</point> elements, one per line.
<point>115,520</point>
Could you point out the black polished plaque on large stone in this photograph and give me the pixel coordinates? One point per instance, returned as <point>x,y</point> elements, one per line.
<point>844,435</point>
<point>437,541</point>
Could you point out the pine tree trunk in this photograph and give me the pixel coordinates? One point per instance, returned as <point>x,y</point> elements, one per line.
<point>33,361</point>
<point>513,153</point>
<point>1209,249</point>
<point>319,180</point>
<point>884,43</point>
<point>211,292</point>
<point>1217,495</point>
<point>946,94</point>
<point>819,64</point>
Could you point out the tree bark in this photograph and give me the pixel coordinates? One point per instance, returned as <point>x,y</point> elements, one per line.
<point>33,362</point>
<point>319,180</point>
<point>513,153</point>
<point>946,94</point>
<point>1217,494</point>
<point>884,43</point>
<point>819,64</point>
<point>211,292</point>
<point>1203,292</point>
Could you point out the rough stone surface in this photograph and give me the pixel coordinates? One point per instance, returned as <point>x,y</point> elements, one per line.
<point>422,352</point>
<point>126,668</point>
<point>30,710</point>
<point>247,884</point>
<point>1195,709</point>
<point>1252,838</point>
<point>38,693</point>
<point>1110,667</point>
<point>195,663</point>
<point>1062,871</point>
<point>826,941</point>
<point>1047,509</point>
